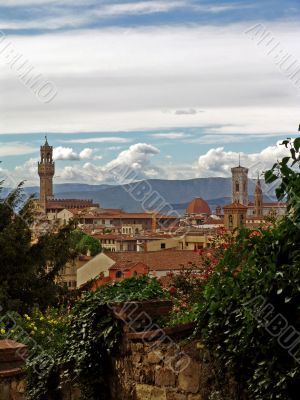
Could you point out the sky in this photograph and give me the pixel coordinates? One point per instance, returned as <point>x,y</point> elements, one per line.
<point>174,89</point>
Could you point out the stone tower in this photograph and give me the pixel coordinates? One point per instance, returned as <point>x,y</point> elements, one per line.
<point>240,185</point>
<point>46,172</point>
<point>258,199</point>
<point>235,216</point>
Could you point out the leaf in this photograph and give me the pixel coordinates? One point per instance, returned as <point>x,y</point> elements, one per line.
<point>279,291</point>
<point>297,144</point>
<point>270,176</point>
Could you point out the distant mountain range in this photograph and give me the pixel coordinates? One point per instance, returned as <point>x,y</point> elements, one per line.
<point>177,193</point>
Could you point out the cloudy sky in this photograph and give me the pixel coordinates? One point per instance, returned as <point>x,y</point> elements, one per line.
<point>173,88</point>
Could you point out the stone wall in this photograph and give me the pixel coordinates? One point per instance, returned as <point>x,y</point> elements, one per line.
<point>154,371</point>
<point>12,388</point>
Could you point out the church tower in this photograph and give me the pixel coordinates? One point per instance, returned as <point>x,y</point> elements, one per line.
<point>258,199</point>
<point>240,185</point>
<point>46,172</point>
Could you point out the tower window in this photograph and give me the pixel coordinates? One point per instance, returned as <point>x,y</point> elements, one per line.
<point>242,220</point>
<point>230,219</point>
<point>237,187</point>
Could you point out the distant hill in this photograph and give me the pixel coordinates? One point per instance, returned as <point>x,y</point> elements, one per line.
<point>178,193</point>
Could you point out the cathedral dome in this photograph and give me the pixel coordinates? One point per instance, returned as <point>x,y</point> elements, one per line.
<point>198,206</point>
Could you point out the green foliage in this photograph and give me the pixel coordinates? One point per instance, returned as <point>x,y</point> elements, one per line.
<point>261,264</point>
<point>85,243</point>
<point>90,335</point>
<point>28,270</point>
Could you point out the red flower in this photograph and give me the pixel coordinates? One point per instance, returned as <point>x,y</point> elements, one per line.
<point>172,290</point>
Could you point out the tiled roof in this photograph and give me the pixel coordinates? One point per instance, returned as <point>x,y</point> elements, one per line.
<point>158,260</point>
<point>198,206</point>
<point>214,221</point>
<point>237,206</point>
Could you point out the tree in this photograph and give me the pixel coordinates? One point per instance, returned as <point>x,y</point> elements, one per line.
<point>87,244</point>
<point>28,270</point>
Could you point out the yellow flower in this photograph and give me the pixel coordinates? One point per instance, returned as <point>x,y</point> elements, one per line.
<point>2,331</point>
<point>27,317</point>
<point>12,331</point>
<point>35,328</point>
<point>43,332</point>
<point>42,318</point>
<point>32,333</point>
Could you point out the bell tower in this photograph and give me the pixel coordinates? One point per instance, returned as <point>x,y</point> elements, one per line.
<point>240,185</point>
<point>46,171</point>
<point>258,199</point>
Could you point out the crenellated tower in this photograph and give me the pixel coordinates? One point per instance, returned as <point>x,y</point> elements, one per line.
<point>46,169</point>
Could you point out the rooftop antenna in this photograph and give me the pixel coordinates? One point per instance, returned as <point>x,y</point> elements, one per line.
<point>239,159</point>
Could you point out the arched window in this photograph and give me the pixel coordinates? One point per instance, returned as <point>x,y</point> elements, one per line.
<point>237,186</point>
<point>119,274</point>
<point>230,219</point>
<point>241,220</point>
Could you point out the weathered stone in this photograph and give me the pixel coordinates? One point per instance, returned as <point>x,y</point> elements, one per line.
<point>176,396</point>
<point>195,397</point>
<point>4,391</point>
<point>154,357</point>
<point>165,377</point>
<point>188,378</point>
<point>21,386</point>
<point>136,358</point>
<point>148,392</point>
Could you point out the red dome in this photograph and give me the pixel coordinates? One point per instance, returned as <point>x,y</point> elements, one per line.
<point>198,206</point>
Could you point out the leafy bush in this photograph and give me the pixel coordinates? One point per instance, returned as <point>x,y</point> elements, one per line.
<point>79,352</point>
<point>262,264</point>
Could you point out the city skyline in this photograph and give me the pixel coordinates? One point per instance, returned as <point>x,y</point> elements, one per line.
<point>175,88</point>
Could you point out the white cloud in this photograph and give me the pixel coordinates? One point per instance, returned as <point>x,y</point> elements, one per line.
<point>67,153</point>
<point>109,139</point>
<point>129,75</point>
<point>15,149</point>
<point>112,148</point>
<point>170,135</point>
<point>218,162</point>
<point>190,111</point>
<point>137,158</point>
<point>141,7</point>
<point>86,153</point>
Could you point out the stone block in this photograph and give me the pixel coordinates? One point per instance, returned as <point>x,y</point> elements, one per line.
<point>154,357</point>
<point>189,378</point>
<point>195,397</point>
<point>165,377</point>
<point>148,392</point>
<point>176,396</point>
<point>5,391</point>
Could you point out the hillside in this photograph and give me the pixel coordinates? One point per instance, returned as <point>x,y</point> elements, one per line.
<point>178,193</point>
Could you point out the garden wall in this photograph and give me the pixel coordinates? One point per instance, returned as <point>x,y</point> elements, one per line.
<point>164,371</point>
<point>142,369</point>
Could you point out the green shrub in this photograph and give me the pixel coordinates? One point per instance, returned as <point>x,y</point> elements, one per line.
<point>264,264</point>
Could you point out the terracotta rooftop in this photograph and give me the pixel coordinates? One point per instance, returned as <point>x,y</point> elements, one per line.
<point>198,206</point>
<point>157,260</point>
<point>237,206</point>
<point>125,215</point>
<point>214,221</point>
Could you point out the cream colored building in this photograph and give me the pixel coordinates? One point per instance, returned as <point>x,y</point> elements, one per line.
<point>98,265</point>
